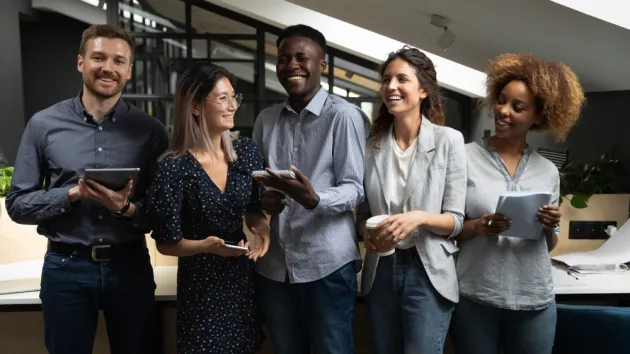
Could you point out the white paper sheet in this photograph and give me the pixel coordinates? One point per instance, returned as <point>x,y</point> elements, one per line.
<point>561,279</point>
<point>615,251</point>
<point>521,209</point>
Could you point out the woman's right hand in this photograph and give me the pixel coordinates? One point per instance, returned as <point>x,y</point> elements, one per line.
<point>375,245</point>
<point>369,244</point>
<point>492,224</point>
<point>215,245</point>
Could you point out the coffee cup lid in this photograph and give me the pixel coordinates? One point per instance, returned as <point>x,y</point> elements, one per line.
<point>373,221</point>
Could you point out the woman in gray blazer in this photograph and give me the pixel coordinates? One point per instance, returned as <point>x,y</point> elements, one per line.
<point>415,174</point>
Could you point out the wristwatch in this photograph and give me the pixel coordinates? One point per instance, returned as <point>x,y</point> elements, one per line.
<point>121,212</point>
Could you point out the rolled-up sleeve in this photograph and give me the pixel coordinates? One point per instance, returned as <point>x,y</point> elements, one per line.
<point>27,202</point>
<point>555,196</point>
<point>454,201</point>
<point>349,132</point>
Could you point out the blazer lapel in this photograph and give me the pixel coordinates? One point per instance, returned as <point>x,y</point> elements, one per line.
<point>382,160</point>
<point>423,158</point>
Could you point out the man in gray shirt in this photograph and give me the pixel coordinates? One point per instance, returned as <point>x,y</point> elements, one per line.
<point>308,279</point>
<point>97,257</point>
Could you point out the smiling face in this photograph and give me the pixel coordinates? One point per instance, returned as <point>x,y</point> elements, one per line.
<point>299,67</point>
<point>219,106</point>
<point>400,88</point>
<point>106,66</point>
<point>515,110</point>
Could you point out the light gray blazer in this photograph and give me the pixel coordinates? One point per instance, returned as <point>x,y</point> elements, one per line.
<point>437,184</point>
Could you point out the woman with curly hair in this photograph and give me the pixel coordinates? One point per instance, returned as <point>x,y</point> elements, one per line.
<point>416,179</point>
<point>506,288</point>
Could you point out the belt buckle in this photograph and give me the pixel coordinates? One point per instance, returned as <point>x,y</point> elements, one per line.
<point>95,258</point>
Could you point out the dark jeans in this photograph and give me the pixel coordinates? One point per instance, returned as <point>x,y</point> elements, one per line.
<point>73,290</point>
<point>407,315</point>
<point>483,329</point>
<point>318,314</point>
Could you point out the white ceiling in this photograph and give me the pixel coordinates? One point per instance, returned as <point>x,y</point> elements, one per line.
<point>596,50</point>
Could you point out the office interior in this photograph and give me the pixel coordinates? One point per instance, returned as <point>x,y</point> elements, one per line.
<point>39,43</point>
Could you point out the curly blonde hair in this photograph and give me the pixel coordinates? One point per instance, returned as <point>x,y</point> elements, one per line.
<point>556,88</point>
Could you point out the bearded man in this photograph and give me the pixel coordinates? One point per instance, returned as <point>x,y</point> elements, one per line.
<point>97,257</point>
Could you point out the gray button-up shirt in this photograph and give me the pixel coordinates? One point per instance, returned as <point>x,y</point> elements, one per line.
<point>58,144</point>
<point>326,141</point>
<point>501,271</point>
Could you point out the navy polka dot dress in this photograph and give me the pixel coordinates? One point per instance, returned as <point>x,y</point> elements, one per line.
<point>217,311</point>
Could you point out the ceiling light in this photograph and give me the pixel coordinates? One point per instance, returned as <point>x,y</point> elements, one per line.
<point>448,37</point>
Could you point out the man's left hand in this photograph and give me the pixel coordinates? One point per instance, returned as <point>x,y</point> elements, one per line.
<point>112,200</point>
<point>300,188</point>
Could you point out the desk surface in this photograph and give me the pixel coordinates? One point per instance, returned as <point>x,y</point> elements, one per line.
<point>14,274</point>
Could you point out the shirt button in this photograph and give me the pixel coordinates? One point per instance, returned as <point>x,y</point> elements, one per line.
<point>113,119</point>
<point>100,149</point>
<point>63,210</point>
<point>100,128</point>
<point>100,217</point>
<point>100,240</point>
<point>85,119</point>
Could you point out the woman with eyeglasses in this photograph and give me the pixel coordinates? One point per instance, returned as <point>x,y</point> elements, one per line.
<point>202,192</point>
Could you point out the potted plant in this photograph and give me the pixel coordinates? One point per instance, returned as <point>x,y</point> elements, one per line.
<point>579,182</point>
<point>6,172</point>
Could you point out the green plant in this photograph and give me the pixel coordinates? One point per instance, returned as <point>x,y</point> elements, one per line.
<point>6,173</point>
<point>583,180</point>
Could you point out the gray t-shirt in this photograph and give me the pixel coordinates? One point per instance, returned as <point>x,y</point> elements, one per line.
<point>505,272</point>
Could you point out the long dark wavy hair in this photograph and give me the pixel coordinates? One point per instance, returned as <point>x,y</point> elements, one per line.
<point>431,107</point>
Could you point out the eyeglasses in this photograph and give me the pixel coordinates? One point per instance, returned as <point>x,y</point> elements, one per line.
<point>226,101</point>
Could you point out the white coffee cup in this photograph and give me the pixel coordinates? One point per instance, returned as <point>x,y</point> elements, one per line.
<point>371,225</point>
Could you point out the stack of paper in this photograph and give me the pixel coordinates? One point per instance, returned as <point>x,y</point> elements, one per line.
<point>521,209</point>
<point>609,258</point>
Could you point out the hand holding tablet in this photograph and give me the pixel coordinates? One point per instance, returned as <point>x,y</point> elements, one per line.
<point>112,178</point>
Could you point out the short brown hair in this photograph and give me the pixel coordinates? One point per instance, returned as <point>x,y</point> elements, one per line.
<point>557,90</point>
<point>107,31</point>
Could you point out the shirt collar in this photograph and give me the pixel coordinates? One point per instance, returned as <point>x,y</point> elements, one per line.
<point>315,106</point>
<point>120,109</point>
<point>482,142</point>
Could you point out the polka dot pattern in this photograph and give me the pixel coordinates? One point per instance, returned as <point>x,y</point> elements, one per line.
<point>217,310</point>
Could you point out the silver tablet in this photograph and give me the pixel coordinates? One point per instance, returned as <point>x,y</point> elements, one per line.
<point>113,178</point>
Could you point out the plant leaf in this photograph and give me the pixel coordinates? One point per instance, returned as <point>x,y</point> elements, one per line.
<point>580,201</point>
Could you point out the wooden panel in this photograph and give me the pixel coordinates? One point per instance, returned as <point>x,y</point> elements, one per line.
<point>19,242</point>
<point>601,207</point>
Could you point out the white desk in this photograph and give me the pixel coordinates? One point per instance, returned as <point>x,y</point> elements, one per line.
<point>166,281</point>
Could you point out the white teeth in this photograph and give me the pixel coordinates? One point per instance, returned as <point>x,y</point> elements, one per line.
<point>394,98</point>
<point>106,80</point>
<point>293,78</point>
<point>503,124</point>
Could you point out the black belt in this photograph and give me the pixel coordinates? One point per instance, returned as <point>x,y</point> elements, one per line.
<point>98,253</point>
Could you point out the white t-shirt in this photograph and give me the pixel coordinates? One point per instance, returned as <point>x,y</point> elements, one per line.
<point>401,163</point>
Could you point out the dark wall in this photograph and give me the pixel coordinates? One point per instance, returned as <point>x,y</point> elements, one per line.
<point>11,91</point>
<point>49,59</point>
<point>38,59</point>
<point>604,124</point>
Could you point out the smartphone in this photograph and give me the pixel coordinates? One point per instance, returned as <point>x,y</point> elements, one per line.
<point>283,173</point>
<point>234,245</point>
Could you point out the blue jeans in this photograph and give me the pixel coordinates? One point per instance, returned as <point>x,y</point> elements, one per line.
<point>318,314</point>
<point>483,329</point>
<point>406,313</point>
<point>73,290</point>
